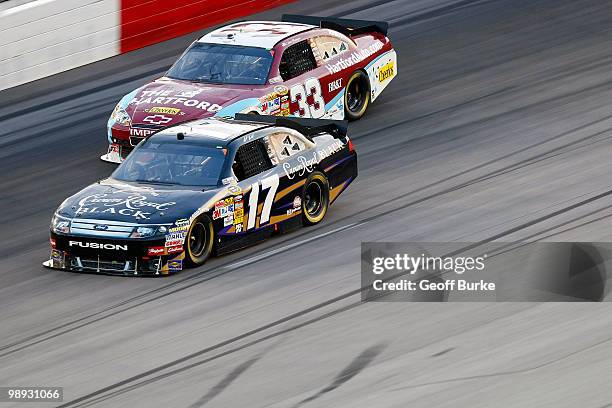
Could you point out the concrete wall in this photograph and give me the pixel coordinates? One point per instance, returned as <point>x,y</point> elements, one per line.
<point>44,37</point>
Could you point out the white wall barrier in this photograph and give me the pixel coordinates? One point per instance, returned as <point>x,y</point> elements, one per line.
<point>45,37</point>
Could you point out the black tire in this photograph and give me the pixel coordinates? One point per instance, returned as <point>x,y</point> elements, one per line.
<point>356,95</point>
<point>200,240</point>
<point>315,198</point>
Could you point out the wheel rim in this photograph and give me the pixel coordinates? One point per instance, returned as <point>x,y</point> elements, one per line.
<point>313,199</point>
<point>355,97</point>
<point>198,239</point>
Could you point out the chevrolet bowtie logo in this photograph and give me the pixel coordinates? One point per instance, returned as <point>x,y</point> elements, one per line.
<point>157,119</point>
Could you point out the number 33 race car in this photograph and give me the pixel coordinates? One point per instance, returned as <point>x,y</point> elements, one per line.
<point>208,186</point>
<point>305,66</point>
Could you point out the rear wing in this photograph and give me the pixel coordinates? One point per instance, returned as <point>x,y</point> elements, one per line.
<point>306,126</point>
<point>348,27</point>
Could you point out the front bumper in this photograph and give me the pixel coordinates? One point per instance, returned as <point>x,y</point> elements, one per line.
<point>123,139</point>
<point>95,255</point>
<point>116,153</point>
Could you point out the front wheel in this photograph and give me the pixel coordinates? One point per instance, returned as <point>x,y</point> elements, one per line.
<point>315,198</point>
<point>356,95</point>
<point>199,241</point>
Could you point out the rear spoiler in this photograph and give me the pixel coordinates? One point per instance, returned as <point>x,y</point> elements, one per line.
<point>306,126</point>
<point>348,27</point>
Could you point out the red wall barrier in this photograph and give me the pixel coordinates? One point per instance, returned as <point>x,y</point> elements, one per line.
<point>146,22</point>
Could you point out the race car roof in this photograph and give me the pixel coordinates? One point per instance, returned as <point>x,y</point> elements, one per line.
<point>212,129</point>
<point>263,34</point>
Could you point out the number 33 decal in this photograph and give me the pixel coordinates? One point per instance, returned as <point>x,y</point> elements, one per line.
<point>271,183</point>
<point>300,92</point>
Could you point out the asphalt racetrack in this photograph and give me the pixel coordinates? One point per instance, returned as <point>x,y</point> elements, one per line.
<point>498,126</point>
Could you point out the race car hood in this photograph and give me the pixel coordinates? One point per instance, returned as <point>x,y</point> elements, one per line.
<point>166,102</point>
<point>113,200</point>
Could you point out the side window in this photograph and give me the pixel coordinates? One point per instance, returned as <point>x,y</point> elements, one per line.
<point>297,60</point>
<point>326,47</point>
<point>251,159</point>
<point>282,145</point>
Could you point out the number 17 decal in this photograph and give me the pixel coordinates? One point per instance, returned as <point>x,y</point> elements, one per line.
<point>270,183</point>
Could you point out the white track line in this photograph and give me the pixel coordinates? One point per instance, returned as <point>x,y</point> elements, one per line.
<point>290,246</point>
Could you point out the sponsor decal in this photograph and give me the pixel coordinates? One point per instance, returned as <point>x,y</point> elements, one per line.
<point>181,225</point>
<point>234,189</point>
<point>175,242</point>
<point>273,105</point>
<point>178,229</point>
<point>174,249</point>
<point>297,205</point>
<point>229,220</point>
<point>355,58</point>
<point>137,206</point>
<point>162,109</point>
<point>171,97</point>
<point>386,72</point>
<point>335,85</point>
<point>58,259</point>
<point>223,208</point>
<point>175,265</point>
<point>306,164</point>
<point>52,242</point>
<point>232,185</point>
<point>238,212</point>
<point>275,80</point>
<point>183,222</point>
<point>157,119</point>
<point>156,251</point>
<point>175,236</point>
<point>281,90</point>
<point>56,255</point>
<point>229,180</point>
<point>141,132</point>
<point>96,245</point>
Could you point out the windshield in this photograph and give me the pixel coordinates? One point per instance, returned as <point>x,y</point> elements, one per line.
<point>223,64</point>
<point>172,162</point>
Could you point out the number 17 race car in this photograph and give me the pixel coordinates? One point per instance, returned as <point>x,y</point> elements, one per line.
<point>207,186</point>
<point>314,67</point>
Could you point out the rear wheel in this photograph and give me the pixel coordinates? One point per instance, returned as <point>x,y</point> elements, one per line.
<point>315,198</point>
<point>199,241</point>
<point>356,95</point>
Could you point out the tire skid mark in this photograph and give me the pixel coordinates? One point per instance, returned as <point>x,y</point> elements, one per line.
<point>292,242</point>
<point>337,299</point>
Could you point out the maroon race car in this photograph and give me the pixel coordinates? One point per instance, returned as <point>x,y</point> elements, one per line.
<point>304,66</point>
